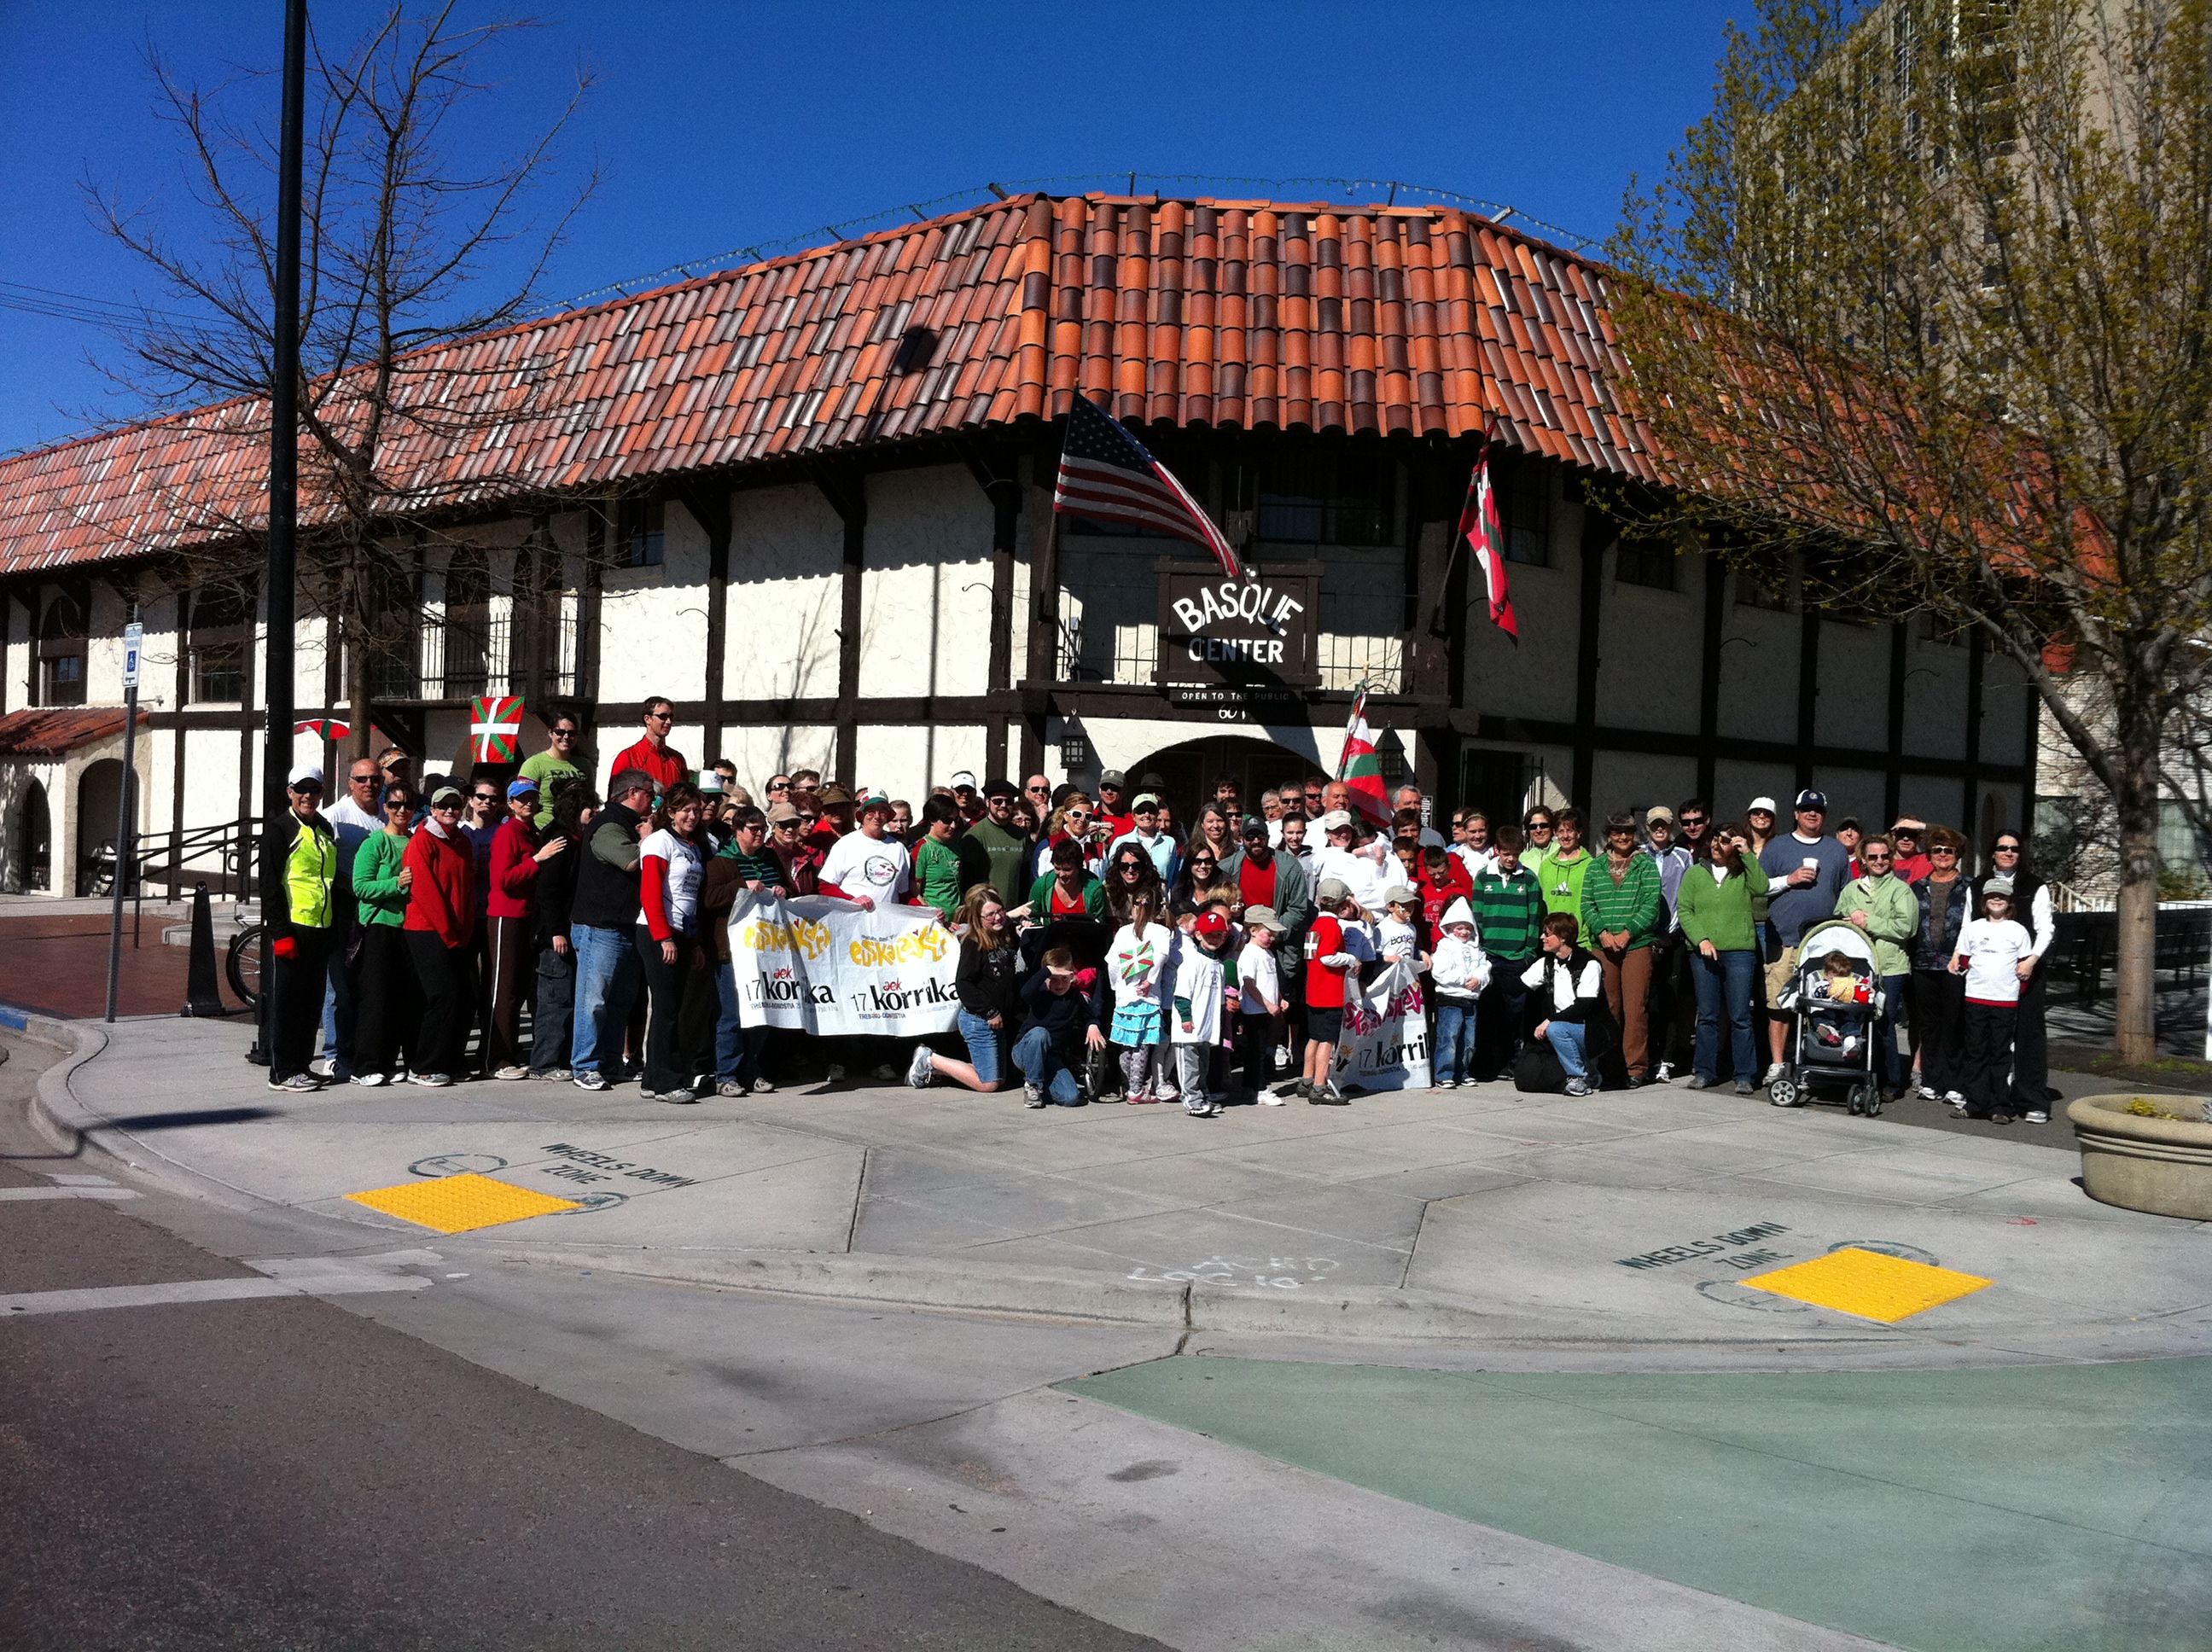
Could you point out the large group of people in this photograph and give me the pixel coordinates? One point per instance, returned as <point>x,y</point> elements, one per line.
<point>1116,943</point>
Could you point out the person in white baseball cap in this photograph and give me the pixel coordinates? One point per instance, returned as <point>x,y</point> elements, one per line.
<point>299,909</point>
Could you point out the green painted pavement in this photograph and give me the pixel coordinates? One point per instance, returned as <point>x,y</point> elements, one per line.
<point>2058,1507</point>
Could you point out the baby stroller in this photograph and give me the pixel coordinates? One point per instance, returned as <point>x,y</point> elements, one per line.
<point>1834,1043</point>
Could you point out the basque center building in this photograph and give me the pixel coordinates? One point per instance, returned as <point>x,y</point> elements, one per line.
<point>810,502</point>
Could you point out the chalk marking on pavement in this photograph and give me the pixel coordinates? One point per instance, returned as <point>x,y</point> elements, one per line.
<point>109,1193</point>
<point>275,1276</point>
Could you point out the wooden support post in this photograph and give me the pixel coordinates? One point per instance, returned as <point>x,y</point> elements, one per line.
<point>709,505</point>
<point>1808,690</point>
<point>1708,672</point>
<point>1893,779</point>
<point>847,493</point>
<point>1598,535</point>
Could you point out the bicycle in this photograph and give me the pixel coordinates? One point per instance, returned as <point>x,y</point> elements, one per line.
<point>247,962</point>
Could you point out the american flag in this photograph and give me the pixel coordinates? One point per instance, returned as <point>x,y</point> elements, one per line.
<point>1106,474</point>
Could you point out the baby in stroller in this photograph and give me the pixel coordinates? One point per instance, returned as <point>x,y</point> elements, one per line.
<point>1836,999</point>
<point>1837,1032</point>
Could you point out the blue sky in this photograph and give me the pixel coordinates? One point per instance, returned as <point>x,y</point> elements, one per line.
<point>718,125</point>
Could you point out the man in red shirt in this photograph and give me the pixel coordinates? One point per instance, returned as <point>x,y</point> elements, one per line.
<point>836,804</point>
<point>1113,811</point>
<point>653,754</point>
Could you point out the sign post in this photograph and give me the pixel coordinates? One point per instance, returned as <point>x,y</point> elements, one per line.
<point>126,856</point>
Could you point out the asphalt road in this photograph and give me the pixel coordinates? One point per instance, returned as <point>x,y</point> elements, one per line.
<point>281,1474</point>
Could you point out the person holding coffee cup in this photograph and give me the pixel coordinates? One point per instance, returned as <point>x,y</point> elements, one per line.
<point>1806,870</point>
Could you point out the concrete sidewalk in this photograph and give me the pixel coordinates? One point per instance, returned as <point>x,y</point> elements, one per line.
<point>1614,1231</point>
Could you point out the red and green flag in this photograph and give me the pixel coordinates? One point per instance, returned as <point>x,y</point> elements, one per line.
<point>1360,767</point>
<point>1478,522</point>
<point>495,726</point>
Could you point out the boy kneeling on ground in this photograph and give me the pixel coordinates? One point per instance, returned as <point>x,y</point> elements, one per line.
<point>1059,1022</point>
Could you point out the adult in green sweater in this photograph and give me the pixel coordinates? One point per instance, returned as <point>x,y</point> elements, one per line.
<point>1561,872</point>
<point>1068,890</point>
<point>1715,905</point>
<point>390,999</point>
<point>1888,910</point>
<point>1623,903</point>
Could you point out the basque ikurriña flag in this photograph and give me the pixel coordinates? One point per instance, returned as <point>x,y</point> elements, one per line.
<point>1359,766</point>
<point>1478,522</point>
<point>1106,474</point>
<point>495,726</point>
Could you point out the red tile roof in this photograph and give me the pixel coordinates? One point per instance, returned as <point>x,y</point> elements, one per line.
<point>1419,320</point>
<point>55,731</point>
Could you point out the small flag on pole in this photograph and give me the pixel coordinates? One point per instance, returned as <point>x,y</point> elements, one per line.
<point>1106,474</point>
<point>328,727</point>
<point>1478,522</point>
<point>495,726</point>
<point>1360,767</point>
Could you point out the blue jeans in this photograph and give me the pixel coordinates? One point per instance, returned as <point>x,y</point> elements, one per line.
<point>1042,1065</point>
<point>984,1048</point>
<point>1453,1058</point>
<point>608,976</point>
<point>1895,1063</point>
<point>736,1047</point>
<point>1570,1041</point>
<point>552,1016</point>
<point>1728,976</point>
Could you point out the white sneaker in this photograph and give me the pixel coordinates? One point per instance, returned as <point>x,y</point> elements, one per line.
<point>367,1080</point>
<point>1773,1072</point>
<point>430,1080</point>
<point>1269,1098</point>
<point>324,1066</point>
<point>1665,1075</point>
<point>511,1072</point>
<point>918,1070</point>
<point>762,1087</point>
<point>1955,1099</point>
<point>1032,1096</point>
<point>2036,1115</point>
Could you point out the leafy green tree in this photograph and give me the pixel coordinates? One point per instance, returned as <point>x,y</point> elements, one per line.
<point>1924,306</point>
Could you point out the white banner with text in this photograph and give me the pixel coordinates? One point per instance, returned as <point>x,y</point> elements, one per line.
<point>1386,1034</point>
<point>822,965</point>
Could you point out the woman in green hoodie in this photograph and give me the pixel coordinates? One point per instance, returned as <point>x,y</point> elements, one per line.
<point>391,1012</point>
<point>1885,906</point>
<point>1714,906</point>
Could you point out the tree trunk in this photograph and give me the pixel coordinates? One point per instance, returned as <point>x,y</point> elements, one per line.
<point>2135,980</point>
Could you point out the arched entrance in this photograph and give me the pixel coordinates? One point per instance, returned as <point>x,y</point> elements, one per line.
<point>97,791</point>
<point>33,845</point>
<point>1189,769</point>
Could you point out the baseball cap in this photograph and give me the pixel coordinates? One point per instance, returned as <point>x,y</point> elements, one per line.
<point>1766,804</point>
<point>1659,811</point>
<point>521,789</point>
<point>1333,892</point>
<point>710,783</point>
<point>1253,827</point>
<point>1997,886</point>
<point>1263,918</point>
<point>1211,924</point>
<point>1145,800</point>
<point>1400,894</point>
<point>1336,820</point>
<point>1115,778</point>
<point>780,812</point>
<point>964,778</point>
<point>447,790</point>
<point>1810,799</point>
<point>306,774</point>
<point>874,801</point>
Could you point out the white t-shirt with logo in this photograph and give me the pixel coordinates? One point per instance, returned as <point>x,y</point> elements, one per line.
<point>1993,948</point>
<point>874,867</point>
<point>687,870</point>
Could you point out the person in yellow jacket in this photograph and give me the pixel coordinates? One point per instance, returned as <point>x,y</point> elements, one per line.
<point>299,913</point>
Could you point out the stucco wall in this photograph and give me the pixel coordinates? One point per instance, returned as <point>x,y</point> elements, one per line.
<point>787,558</point>
<point>1852,706</point>
<point>1650,650</point>
<point>905,762</point>
<point>1758,670</point>
<point>926,584</point>
<point>653,622</point>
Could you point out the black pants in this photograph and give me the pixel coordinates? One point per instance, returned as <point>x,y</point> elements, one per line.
<point>1939,1002</point>
<point>510,964</point>
<point>1255,1049</point>
<point>2031,1050</point>
<point>301,982</point>
<point>390,1014</point>
<point>1986,1065</point>
<point>1500,1018</point>
<point>446,975</point>
<point>668,1071</point>
<point>1672,1013</point>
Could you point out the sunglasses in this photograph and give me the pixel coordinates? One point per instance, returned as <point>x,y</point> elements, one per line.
<point>1874,858</point>
<point>2006,848</point>
<point>1948,853</point>
<point>487,797</point>
<point>1693,820</point>
<point>660,717</point>
<point>787,826</point>
<point>445,808</point>
<point>561,733</point>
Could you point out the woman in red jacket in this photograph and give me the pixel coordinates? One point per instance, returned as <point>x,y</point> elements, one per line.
<point>441,920</point>
<point>671,867</point>
<point>516,853</point>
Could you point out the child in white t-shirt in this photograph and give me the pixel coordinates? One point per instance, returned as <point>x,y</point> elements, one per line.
<point>1990,955</point>
<point>1260,1002</point>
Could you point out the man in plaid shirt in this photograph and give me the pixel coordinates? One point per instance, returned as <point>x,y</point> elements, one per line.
<point>1508,903</point>
<point>1623,903</point>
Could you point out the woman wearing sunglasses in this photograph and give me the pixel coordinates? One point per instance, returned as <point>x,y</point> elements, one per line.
<point>1883,904</point>
<point>1939,998</point>
<point>2032,909</point>
<point>786,842</point>
<point>390,1004</point>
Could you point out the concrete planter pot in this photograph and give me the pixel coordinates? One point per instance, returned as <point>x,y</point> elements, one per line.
<point>2160,1165</point>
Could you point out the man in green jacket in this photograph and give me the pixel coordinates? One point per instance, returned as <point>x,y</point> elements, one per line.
<point>1561,871</point>
<point>1885,907</point>
<point>1622,903</point>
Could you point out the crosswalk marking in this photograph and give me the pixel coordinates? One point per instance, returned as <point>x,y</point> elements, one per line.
<point>77,1191</point>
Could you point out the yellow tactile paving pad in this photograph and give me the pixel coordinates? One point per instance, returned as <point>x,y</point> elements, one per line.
<point>1869,1284</point>
<point>456,1203</point>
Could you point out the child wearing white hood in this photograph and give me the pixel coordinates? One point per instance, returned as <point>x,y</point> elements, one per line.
<point>1458,971</point>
